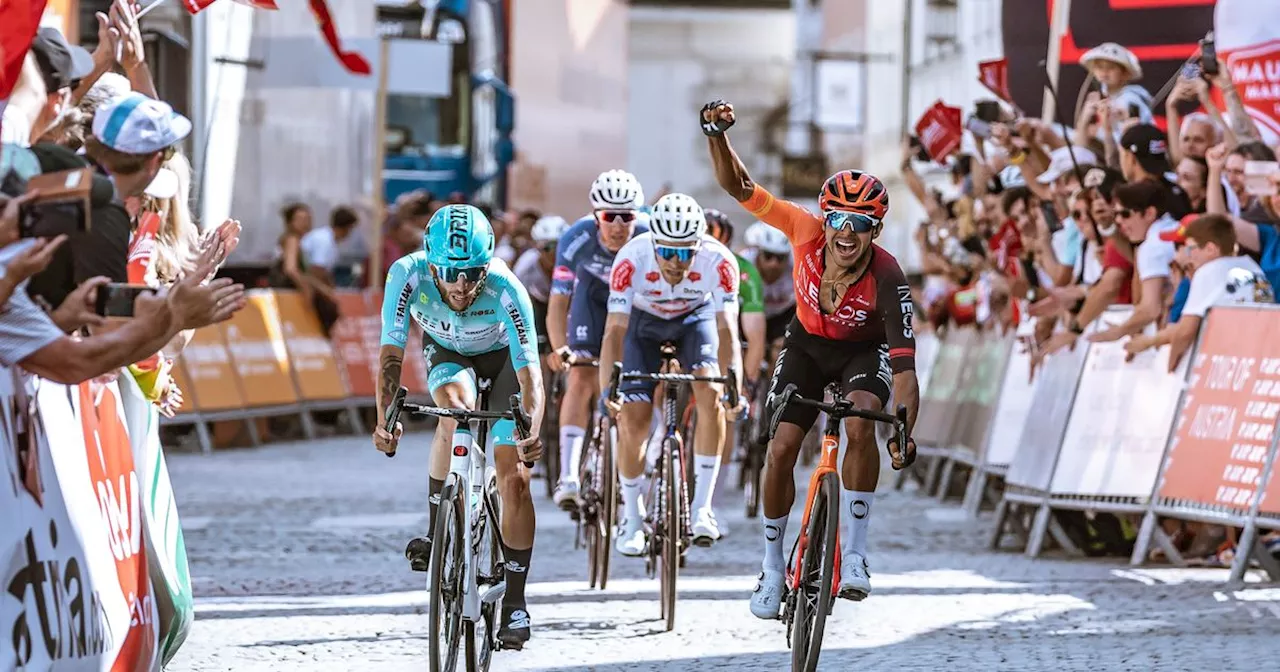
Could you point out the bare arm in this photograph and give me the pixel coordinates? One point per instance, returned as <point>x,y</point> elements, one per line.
<point>532,400</point>
<point>558,320</point>
<point>906,391</point>
<point>1146,312</point>
<point>730,347</point>
<point>731,173</point>
<point>615,328</point>
<point>753,329</point>
<point>71,361</point>
<point>390,362</point>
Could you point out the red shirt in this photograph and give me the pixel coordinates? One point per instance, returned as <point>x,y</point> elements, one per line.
<point>1006,244</point>
<point>962,304</point>
<point>1112,258</point>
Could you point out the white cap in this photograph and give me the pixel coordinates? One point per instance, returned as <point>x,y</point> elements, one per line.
<point>1060,162</point>
<point>136,124</point>
<point>1110,51</point>
<point>164,185</point>
<point>1011,176</point>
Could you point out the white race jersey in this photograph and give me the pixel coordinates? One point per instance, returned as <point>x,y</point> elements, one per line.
<point>636,280</point>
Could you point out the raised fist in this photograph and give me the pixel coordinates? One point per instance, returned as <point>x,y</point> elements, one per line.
<point>716,117</point>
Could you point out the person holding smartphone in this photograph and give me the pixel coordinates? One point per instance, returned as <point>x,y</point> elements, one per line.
<point>1116,69</point>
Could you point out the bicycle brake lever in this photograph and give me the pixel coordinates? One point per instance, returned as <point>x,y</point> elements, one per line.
<point>522,422</point>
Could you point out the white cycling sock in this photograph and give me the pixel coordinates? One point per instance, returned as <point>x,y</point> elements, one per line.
<point>570,452</point>
<point>855,517</point>
<point>631,488</point>
<point>775,530</point>
<point>705,470</point>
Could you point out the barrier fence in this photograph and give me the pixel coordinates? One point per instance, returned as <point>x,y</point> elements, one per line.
<point>1098,431</point>
<point>272,359</point>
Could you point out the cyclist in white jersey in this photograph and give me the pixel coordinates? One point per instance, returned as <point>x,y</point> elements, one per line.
<point>673,284</point>
<point>771,253</point>
<point>533,270</point>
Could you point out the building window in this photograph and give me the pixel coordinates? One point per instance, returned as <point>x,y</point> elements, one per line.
<point>941,28</point>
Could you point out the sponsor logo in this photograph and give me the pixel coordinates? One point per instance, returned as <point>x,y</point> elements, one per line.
<point>653,292</point>
<point>728,278</point>
<point>562,274</point>
<point>620,278</point>
<point>850,314</point>
<point>522,333</point>
<point>459,228</point>
<point>66,622</point>
<point>395,335</point>
<point>652,276</point>
<point>907,307</point>
<point>486,311</point>
<point>460,450</point>
<point>694,276</point>
<point>581,332</point>
<point>402,303</point>
<point>859,508</point>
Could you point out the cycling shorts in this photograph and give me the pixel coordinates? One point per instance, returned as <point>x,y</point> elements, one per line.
<point>697,346</point>
<point>776,326</point>
<point>587,312</point>
<point>812,362</point>
<point>447,366</point>
<point>540,325</point>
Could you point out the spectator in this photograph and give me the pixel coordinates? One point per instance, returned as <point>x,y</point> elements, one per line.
<point>1144,156</point>
<point>407,227</point>
<point>1218,278</point>
<point>1193,135</point>
<point>1116,68</point>
<point>1193,180</point>
<point>43,92</point>
<point>1142,217</point>
<point>292,270</point>
<point>321,246</point>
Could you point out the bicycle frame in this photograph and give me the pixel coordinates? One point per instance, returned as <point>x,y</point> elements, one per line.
<point>826,465</point>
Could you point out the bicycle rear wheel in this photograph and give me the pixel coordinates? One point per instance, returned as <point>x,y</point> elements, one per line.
<point>591,478</point>
<point>669,558</point>
<point>752,473</point>
<point>446,574</point>
<point>551,445</point>
<point>817,576</point>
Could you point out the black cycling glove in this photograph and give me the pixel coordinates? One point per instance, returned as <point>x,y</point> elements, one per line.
<point>713,128</point>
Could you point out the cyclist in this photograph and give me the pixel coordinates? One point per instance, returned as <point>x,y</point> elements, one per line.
<point>576,310</point>
<point>751,321</point>
<point>672,284</point>
<point>853,325</point>
<point>477,323</point>
<point>533,270</point>
<point>771,255</point>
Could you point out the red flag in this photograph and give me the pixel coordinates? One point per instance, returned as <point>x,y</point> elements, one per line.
<point>995,76</point>
<point>260,4</point>
<point>939,131</point>
<point>352,61</point>
<point>195,6</point>
<point>20,19</point>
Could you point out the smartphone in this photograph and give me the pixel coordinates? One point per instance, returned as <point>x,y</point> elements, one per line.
<point>53,218</point>
<point>116,299</point>
<point>1050,216</point>
<point>978,127</point>
<point>1208,56</point>
<point>988,111</point>
<point>1257,177</point>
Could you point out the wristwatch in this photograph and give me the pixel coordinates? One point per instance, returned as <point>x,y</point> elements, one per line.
<point>1074,327</point>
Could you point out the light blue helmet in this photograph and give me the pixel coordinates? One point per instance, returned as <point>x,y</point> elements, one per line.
<point>458,236</point>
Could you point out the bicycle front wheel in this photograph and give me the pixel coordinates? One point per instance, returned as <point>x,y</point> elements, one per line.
<point>607,516</point>
<point>445,582</point>
<point>671,528</point>
<point>817,577</point>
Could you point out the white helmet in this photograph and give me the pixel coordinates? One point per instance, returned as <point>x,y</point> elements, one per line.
<point>752,235</point>
<point>549,228</point>
<point>773,241</point>
<point>677,218</point>
<point>616,190</point>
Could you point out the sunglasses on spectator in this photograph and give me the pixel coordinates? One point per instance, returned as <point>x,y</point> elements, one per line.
<point>1124,212</point>
<point>616,216</point>
<point>681,254</point>
<point>1077,215</point>
<point>451,275</point>
<point>858,222</point>
<point>770,256</point>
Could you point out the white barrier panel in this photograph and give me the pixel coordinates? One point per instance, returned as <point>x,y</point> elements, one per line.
<point>1119,424</point>
<point>1041,436</point>
<point>1016,394</point>
<point>926,354</point>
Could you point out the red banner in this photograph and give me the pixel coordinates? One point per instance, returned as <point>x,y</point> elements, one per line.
<point>995,76</point>
<point>940,131</point>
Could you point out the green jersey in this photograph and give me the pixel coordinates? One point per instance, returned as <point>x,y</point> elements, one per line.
<point>751,289</point>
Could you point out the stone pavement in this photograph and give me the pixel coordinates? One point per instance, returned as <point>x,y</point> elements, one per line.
<point>296,558</point>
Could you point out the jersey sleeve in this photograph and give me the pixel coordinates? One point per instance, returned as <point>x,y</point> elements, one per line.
<point>621,280</point>
<point>396,298</point>
<point>564,274</point>
<point>894,301</point>
<point>728,279</point>
<point>751,289</point>
<point>522,338</point>
<point>797,223</point>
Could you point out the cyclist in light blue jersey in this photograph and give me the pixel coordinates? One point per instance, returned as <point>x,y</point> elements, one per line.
<point>477,323</point>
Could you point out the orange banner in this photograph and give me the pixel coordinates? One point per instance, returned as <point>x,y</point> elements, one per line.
<point>413,375</point>
<point>1224,429</point>
<point>210,376</point>
<point>258,352</point>
<point>315,368</point>
<point>355,338</point>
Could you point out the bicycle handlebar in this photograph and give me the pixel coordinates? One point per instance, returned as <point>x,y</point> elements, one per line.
<point>730,381</point>
<point>843,408</point>
<point>398,406</point>
<point>557,387</point>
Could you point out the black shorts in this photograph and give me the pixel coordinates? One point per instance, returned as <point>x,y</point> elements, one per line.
<point>812,362</point>
<point>540,325</point>
<point>446,366</point>
<point>776,327</point>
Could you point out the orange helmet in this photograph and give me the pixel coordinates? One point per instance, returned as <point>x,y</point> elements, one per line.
<point>854,191</point>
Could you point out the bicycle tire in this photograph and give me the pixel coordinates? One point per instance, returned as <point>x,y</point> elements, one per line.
<point>447,539</point>
<point>589,518</point>
<point>672,524</point>
<point>752,475</point>
<point>608,514</point>
<point>819,559</point>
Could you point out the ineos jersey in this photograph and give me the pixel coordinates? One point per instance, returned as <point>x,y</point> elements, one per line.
<point>780,295</point>
<point>582,259</point>
<point>637,282</point>
<point>877,308</point>
<point>501,316</point>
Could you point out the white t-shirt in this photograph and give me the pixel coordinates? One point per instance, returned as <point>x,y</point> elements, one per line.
<point>636,281</point>
<point>1225,281</point>
<point>15,127</point>
<point>319,248</point>
<point>530,274</point>
<point>1090,261</point>
<point>1153,256</point>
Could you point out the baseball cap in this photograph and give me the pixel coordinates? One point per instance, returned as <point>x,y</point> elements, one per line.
<point>136,124</point>
<point>1178,235</point>
<point>1148,144</point>
<point>163,185</point>
<point>60,63</point>
<point>1060,162</point>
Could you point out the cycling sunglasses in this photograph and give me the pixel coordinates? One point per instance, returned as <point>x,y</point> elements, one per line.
<point>859,222</point>
<point>616,216</point>
<point>770,256</point>
<point>681,254</point>
<point>451,275</point>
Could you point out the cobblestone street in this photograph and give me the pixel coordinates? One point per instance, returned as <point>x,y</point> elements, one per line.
<point>296,558</point>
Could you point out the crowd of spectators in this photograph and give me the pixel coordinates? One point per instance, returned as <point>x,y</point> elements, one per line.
<point>1059,221</point>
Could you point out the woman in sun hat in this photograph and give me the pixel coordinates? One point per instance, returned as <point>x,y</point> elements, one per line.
<point>1116,68</point>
